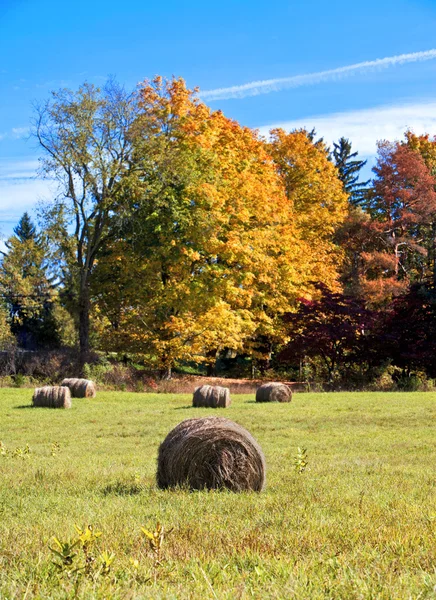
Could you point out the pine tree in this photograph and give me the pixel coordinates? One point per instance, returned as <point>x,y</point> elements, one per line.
<point>25,230</point>
<point>349,170</point>
<point>27,288</point>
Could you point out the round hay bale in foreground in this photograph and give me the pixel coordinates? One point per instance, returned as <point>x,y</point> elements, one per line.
<point>52,397</point>
<point>273,392</point>
<point>212,453</point>
<point>80,388</point>
<point>211,396</point>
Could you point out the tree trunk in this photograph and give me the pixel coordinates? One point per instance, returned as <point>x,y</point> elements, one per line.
<point>84,307</point>
<point>211,366</point>
<point>397,256</point>
<point>166,373</point>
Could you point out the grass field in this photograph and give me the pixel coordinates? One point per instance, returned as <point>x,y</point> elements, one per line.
<point>359,522</point>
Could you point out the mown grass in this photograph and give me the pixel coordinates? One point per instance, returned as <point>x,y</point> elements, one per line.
<point>360,522</point>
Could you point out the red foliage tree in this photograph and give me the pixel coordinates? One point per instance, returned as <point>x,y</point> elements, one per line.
<point>409,331</point>
<point>334,328</point>
<point>401,206</point>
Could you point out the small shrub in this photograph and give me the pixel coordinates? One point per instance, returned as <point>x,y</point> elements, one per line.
<point>301,460</point>
<point>19,380</point>
<point>96,372</point>
<point>79,556</point>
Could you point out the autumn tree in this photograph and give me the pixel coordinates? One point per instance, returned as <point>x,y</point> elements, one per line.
<point>402,203</point>
<point>211,255</point>
<point>333,328</point>
<point>27,287</point>
<point>86,144</point>
<point>316,199</point>
<point>425,146</point>
<point>409,331</point>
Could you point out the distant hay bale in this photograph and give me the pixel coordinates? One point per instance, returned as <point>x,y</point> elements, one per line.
<point>52,397</point>
<point>80,388</point>
<point>212,453</point>
<point>211,396</point>
<point>273,392</point>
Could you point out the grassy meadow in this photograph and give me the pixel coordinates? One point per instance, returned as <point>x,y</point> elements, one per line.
<point>359,522</point>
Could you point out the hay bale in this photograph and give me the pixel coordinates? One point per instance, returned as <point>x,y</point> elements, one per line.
<point>80,388</point>
<point>273,392</point>
<point>212,453</point>
<point>211,396</point>
<point>54,396</point>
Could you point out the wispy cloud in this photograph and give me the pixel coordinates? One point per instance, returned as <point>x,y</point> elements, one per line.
<point>15,133</point>
<point>266,86</point>
<point>364,127</point>
<point>20,132</point>
<point>20,190</point>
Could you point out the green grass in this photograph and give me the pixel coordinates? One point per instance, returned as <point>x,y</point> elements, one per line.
<point>360,522</point>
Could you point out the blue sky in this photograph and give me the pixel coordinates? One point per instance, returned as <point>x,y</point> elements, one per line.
<point>47,44</point>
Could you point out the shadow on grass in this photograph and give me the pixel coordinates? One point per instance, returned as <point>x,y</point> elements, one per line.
<point>25,406</point>
<point>183,407</point>
<point>122,488</point>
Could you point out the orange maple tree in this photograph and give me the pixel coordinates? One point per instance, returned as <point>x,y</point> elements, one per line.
<point>216,247</point>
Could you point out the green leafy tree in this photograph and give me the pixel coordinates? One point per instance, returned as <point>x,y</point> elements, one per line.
<point>86,144</point>
<point>6,337</point>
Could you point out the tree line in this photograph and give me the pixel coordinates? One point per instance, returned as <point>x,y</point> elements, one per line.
<point>178,235</point>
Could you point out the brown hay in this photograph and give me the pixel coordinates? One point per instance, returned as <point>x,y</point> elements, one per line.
<point>212,453</point>
<point>273,392</point>
<point>52,397</point>
<point>80,388</point>
<point>211,396</point>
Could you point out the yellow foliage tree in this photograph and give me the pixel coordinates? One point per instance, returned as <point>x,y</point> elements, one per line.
<point>317,198</point>
<point>216,247</point>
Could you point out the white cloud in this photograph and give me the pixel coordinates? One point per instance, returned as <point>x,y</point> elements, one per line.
<point>364,127</point>
<point>18,169</point>
<point>20,132</point>
<point>266,86</point>
<point>20,191</point>
<point>15,133</point>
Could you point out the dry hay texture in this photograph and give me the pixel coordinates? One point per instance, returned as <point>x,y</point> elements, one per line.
<point>211,396</point>
<point>273,392</point>
<point>80,388</point>
<point>212,453</point>
<point>52,397</point>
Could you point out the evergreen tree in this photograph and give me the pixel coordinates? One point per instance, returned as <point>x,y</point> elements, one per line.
<point>25,230</point>
<point>27,288</point>
<point>349,170</point>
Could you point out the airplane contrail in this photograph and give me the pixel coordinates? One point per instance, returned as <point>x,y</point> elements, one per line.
<point>255,88</point>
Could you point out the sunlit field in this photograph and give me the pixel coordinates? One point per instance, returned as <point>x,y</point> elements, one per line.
<point>358,522</point>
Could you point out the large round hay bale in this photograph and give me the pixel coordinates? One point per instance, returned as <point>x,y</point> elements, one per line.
<point>80,388</point>
<point>54,396</point>
<point>211,396</point>
<point>273,392</point>
<point>212,453</point>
